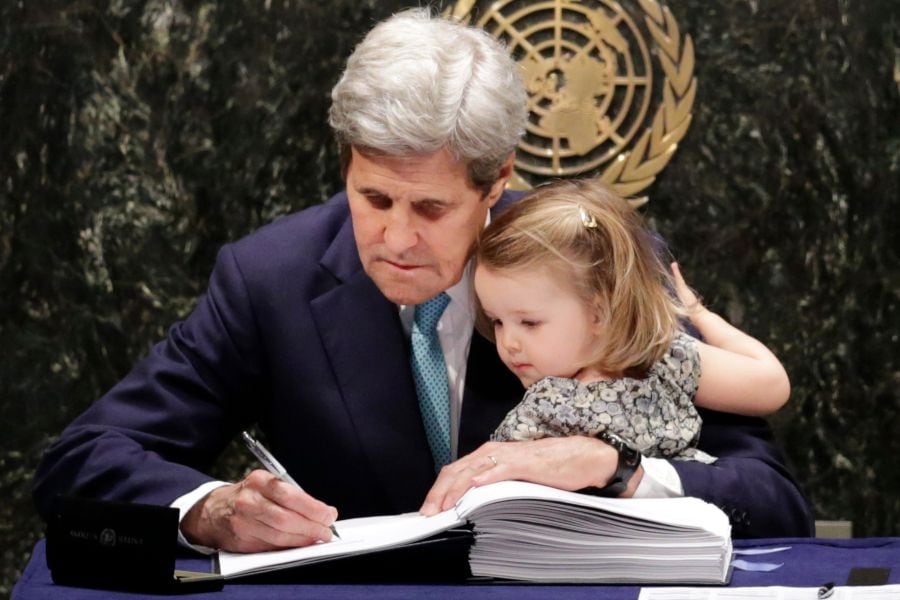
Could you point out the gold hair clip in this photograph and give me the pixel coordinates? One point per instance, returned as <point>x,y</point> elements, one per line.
<point>587,219</point>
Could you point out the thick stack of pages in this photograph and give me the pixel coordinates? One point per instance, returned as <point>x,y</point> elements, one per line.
<point>533,533</point>
<point>530,532</point>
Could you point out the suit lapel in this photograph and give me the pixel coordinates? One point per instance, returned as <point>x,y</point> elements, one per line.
<point>362,335</point>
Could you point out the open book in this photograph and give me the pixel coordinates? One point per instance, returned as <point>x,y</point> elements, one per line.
<point>530,532</point>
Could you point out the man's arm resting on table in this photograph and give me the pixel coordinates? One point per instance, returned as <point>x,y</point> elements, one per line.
<point>749,480</point>
<point>760,499</point>
<point>750,513</point>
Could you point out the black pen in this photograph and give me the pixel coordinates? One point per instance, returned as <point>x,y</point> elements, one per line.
<point>273,466</point>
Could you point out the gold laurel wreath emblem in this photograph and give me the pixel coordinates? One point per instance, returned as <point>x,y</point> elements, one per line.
<point>634,170</point>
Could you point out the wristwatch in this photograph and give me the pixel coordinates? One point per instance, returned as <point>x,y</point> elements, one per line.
<point>629,461</point>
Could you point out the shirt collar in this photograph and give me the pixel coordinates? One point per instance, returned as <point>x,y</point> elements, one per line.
<point>461,298</point>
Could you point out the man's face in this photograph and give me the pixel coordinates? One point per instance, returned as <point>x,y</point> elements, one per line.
<point>414,219</point>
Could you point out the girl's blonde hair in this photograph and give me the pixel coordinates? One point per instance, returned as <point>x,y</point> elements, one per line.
<point>594,241</point>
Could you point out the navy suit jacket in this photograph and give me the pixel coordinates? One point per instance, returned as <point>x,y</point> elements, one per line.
<point>293,335</point>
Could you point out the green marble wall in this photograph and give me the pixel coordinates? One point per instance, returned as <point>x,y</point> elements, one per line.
<point>136,137</point>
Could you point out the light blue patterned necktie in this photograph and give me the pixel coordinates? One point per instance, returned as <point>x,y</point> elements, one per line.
<point>430,374</point>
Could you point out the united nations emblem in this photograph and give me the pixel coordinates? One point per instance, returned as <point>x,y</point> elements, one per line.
<point>603,101</point>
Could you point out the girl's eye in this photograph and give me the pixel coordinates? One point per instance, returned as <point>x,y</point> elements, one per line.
<point>530,324</point>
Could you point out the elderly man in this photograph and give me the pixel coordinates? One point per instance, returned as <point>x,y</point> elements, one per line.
<point>306,325</point>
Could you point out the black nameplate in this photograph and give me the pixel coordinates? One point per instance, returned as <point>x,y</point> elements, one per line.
<point>113,545</point>
<point>869,576</point>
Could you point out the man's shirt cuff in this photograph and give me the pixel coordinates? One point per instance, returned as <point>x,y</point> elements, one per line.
<point>660,480</point>
<point>186,503</point>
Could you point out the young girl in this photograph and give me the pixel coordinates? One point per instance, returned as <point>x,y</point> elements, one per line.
<point>573,292</point>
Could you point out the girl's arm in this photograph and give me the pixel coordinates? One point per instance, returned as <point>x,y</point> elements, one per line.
<point>738,373</point>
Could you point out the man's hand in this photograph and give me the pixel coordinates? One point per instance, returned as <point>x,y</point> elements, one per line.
<point>568,463</point>
<point>259,513</point>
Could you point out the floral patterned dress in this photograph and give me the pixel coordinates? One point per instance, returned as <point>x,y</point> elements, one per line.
<point>656,414</point>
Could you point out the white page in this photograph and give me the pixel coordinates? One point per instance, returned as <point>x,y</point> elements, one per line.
<point>684,512</point>
<point>876,592</point>
<point>357,536</point>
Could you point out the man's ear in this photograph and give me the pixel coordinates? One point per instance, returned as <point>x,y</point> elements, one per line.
<point>498,186</point>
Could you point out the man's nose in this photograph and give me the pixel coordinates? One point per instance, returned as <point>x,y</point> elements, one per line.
<point>399,233</point>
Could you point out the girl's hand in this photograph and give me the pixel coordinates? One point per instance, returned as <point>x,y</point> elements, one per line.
<point>685,294</point>
<point>740,375</point>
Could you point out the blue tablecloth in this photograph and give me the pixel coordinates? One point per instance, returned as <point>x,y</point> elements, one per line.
<point>809,562</point>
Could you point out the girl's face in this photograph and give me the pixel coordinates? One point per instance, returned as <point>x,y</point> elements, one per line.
<point>541,327</point>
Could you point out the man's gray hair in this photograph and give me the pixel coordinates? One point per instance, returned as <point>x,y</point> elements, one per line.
<point>419,83</point>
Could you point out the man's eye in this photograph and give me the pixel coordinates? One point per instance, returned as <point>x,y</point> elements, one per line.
<point>379,202</point>
<point>431,210</point>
